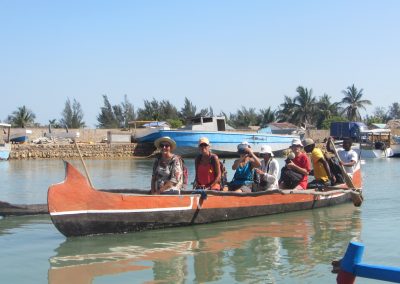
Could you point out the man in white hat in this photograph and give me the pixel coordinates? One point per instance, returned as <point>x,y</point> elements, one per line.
<point>300,164</point>
<point>269,170</point>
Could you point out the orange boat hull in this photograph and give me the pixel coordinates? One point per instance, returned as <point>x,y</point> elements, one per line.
<point>78,209</point>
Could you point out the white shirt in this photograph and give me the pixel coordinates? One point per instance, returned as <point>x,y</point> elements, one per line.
<point>347,157</point>
<point>271,170</point>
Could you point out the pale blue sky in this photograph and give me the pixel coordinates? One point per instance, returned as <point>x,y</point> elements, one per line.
<point>224,54</point>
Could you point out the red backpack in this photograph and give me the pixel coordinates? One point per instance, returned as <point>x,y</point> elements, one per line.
<point>185,172</point>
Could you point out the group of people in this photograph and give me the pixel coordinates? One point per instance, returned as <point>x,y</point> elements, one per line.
<point>251,173</point>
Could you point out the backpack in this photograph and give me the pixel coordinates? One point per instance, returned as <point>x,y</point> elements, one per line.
<point>222,169</point>
<point>336,170</point>
<point>185,173</point>
<point>290,177</point>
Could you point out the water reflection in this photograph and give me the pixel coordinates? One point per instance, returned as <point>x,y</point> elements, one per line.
<point>263,249</point>
<point>9,224</point>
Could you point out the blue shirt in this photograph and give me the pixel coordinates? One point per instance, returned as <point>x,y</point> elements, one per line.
<point>243,175</point>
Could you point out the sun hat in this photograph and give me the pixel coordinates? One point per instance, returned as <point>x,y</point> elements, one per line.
<point>165,139</point>
<point>296,141</point>
<point>266,149</point>
<point>204,140</point>
<point>307,142</point>
<point>243,145</point>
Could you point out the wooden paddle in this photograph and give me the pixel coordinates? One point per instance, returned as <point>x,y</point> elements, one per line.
<point>357,198</point>
<point>83,163</point>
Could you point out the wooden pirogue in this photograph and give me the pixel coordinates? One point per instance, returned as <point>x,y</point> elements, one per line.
<point>77,209</point>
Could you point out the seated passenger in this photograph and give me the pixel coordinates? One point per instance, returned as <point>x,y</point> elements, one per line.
<point>167,174</point>
<point>269,170</point>
<point>348,157</point>
<point>207,165</point>
<point>243,179</point>
<point>322,171</point>
<point>299,164</point>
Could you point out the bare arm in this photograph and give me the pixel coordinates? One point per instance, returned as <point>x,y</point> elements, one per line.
<point>327,168</point>
<point>328,144</point>
<point>296,168</point>
<point>167,185</point>
<point>238,161</point>
<point>217,172</point>
<point>153,185</point>
<point>349,164</point>
<point>255,162</point>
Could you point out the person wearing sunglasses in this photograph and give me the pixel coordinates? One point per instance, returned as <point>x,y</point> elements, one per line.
<point>207,165</point>
<point>167,174</point>
<point>243,179</point>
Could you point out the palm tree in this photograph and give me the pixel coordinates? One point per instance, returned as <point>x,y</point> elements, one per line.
<point>305,105</point>
<point>22,117</point>
<point>266,116</point>
<point>286,111</point>
<point>326,109</point>
<point>352,98</point>
<point>244,117</point>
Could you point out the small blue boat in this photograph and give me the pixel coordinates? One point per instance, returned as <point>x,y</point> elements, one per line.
<point>5,146</point>
<point>223,141</point>
<point>20,136</point>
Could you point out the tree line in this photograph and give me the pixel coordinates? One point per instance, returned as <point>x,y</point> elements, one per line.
<point>302,109</point>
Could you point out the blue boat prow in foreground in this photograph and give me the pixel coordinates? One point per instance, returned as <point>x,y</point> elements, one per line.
<point>351,266</point>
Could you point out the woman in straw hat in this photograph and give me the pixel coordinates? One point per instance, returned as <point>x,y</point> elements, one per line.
<point>167,168</point>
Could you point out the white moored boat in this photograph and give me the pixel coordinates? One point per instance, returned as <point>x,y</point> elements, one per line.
<point>5,146</point>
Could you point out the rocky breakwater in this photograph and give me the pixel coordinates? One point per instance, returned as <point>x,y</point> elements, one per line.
<point>69,151</point>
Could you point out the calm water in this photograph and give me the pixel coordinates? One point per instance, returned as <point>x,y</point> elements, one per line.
<point>295,247</point>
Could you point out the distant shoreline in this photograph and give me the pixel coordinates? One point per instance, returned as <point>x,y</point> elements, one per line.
<point>97,150</point>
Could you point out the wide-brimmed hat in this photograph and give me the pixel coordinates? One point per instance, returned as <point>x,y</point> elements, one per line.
<point>296,142</point>
<point>204,140</point>
<point>165,139</point>
<point>307,142</point>
<point>266,149</point>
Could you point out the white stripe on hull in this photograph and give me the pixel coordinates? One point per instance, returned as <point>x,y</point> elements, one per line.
<point>166,209</point>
